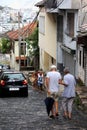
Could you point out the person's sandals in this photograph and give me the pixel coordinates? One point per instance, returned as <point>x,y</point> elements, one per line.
<point>57,115</point>
<point>69,118</point>
<point>65,117</point>
<point>52,116</point>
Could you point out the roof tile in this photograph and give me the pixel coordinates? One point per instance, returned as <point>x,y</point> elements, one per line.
<point>22,32</point>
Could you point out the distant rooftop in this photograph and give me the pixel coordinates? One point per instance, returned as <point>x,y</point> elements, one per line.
<point>22,32</point>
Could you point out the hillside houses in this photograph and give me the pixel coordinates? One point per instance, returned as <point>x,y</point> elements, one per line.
<point>9,18</point>
<point>17,25</point>
<point>61,38</point>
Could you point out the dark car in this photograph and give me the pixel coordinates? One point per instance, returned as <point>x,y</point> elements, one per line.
<point>14,84</point>
<point>4,67</point>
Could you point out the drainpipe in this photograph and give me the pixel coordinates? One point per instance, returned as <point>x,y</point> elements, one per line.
<point>57,55</point>
<point>80,13</point>
<point>85,67</point>
<point>19,38</point>
<point>56,47</point>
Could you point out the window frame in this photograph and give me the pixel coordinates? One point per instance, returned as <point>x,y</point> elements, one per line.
<point>42,24</point>
<point>70,21</point>
<point>60,28</point>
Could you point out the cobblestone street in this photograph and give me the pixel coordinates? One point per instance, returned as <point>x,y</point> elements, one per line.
<point>18,113</point>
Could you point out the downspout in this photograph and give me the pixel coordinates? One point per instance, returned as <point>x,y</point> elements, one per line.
<point>85,67</point>
<point>56,44</point>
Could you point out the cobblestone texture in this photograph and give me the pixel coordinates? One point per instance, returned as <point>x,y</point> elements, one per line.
<point>18,113</point>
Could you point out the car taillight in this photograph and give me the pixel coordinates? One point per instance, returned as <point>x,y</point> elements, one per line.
<point>2,82</point>
<point>24,82</point>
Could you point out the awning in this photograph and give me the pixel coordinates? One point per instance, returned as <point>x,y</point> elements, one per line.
<point>69,50</point>
<point>52,10</point>
<point>69,4</point>
<point>21,58</point>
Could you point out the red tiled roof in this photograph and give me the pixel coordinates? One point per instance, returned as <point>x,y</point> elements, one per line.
<point>22,32</point>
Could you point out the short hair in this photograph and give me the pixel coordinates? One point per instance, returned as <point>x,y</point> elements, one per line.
<point>66,70</point>
<point>53,67</point>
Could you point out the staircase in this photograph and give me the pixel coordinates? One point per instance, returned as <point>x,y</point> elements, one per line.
<point>82,94</point>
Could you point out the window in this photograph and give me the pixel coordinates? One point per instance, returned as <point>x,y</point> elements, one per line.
<point>52,60</point>
<point>83,58</point>
<point>12,76</point>
<point>70,24</point>
<point>80,57</point>
<point>60,28</point>
<point>42,24</point>
<point>23,48</point>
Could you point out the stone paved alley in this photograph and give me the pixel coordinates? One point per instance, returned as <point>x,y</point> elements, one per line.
<point>18,113</point>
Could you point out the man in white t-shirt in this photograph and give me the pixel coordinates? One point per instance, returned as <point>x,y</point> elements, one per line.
<point>52,85</point>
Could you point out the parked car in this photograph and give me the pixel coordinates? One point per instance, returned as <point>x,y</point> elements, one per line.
<point>13,83</point>
<point>4,67</point>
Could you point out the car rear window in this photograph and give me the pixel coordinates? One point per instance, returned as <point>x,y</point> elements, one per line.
<point>13,76</point>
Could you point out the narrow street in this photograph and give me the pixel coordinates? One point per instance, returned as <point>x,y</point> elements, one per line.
<point>18,113</point>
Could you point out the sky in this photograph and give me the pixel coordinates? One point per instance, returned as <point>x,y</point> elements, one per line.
<point>19,4</point>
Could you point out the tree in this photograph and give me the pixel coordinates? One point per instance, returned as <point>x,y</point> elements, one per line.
<point>5,45</point>
<point>0,46</point>
<point>32,41</point>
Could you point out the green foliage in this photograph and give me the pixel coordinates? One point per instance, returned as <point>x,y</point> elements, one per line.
<point>32,41</point>
<point>0,47</point>
<point>78,102</point>
<point>80,82</point>
<point>5,45</point>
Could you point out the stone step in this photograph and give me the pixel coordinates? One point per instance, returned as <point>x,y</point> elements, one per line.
<point>84,105</point>
<point>83,95</point>
<point>78,90</point>
<point>84,89</point>
<point>84,101</point>
<point>81,90</point>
